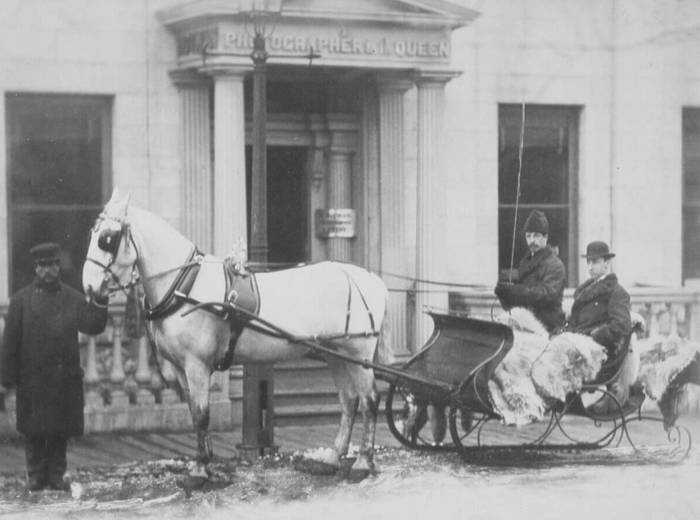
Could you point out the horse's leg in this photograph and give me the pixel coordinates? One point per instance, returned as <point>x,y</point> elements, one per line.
<point>369,406</point>
<point>198,384</point>
<point>348,408</point>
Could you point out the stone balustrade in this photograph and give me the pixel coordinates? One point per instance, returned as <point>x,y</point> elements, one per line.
<point>666,311</point>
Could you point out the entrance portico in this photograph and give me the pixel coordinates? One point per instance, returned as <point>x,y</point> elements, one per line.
<point>370,55</point>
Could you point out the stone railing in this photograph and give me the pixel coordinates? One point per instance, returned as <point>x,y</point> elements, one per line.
<point>127,389</point>
<point>666,311</point>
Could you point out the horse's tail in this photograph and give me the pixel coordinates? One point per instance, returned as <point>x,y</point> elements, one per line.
<point>384,353</point>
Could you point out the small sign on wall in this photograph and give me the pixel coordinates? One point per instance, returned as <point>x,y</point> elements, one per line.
<point>335,223</point>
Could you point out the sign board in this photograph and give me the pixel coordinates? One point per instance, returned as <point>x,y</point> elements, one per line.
<point>335,223</point>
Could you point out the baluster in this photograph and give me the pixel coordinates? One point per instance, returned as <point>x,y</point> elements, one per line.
<point>168,394</point>
<point>653,320</point>
<point>117,376</point>
<point>93,399</point>
<point>672,321</point>
<point>144,396</point>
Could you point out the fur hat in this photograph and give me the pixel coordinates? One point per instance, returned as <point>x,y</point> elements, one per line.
<point>597,249</point>
<point>537,223</point>
<point>46,251</point>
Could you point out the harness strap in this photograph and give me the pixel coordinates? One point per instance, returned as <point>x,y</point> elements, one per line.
<point>347,313</point>
<point>182,284</point>
<point>352,281</point>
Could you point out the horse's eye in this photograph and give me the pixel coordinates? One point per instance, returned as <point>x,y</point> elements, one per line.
<point>108,241</point>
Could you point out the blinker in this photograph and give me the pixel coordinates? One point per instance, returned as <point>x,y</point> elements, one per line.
<point>108,240</point>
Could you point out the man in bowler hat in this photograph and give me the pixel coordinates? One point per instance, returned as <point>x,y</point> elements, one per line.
<point>541,278</point>
<point>601,307</point>
<point>40,358</point>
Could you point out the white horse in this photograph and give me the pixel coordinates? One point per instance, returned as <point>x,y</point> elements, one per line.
<point>322,299</point>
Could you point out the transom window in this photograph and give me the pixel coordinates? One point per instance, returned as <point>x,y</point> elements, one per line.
<point>547,179</point>
<point>58,171</point>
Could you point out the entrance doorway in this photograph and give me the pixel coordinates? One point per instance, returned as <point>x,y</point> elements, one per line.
<point>287,203</point>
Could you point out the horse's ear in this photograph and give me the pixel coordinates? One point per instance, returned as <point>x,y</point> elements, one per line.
<point>115,196</point>
<point>118,204</point>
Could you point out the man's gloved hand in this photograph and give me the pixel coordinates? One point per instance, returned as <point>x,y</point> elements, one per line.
<point>503,291</point>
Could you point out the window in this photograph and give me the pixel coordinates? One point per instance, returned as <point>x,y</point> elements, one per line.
<point>691,193</point>
<point>547,179</point>
<point>58,170</point>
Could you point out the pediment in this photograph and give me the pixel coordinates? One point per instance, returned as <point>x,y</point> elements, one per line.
<point>429,12</point>
<point>425,13</point>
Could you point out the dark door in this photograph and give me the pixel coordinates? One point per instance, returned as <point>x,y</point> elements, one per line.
<point>287,203</point>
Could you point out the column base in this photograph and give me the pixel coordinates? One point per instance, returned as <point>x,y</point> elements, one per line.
<point>253,452</point>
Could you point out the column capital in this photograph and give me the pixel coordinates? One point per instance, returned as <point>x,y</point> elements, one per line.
<point>342,129</point>
<point>393,81</point>
<point>224,71</point>
<point>189,78</point>
<point>434,78</point>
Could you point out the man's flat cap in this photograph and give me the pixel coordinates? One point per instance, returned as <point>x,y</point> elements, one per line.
<point>45,251</point>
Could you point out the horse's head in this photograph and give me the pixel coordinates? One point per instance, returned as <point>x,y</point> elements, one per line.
<point>111,253</point>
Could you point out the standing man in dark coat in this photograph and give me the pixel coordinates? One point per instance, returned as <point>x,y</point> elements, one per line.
<point>601,306</point>
<point>41,359</point>
<point>541,277</point>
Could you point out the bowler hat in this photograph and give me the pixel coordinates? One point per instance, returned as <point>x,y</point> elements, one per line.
<point>597,249</point>
<point>537,222</point>
<point>46,251</point>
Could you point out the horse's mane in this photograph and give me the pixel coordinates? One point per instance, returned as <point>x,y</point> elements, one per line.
<point>520,318</point>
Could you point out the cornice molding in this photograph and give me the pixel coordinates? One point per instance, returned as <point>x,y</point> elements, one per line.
<point>433,13</point>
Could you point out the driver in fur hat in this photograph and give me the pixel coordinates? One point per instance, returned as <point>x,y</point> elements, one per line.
<point>541,277</point>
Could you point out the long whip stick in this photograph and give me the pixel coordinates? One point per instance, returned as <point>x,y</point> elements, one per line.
<point>517,191</point>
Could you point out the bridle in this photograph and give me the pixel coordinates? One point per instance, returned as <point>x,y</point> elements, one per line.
<point>109,241</point>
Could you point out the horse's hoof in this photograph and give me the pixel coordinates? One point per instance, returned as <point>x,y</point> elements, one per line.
<point>192,483</point>
<point>364,464</point>
<point>314,467</point>
<point>358,474</point>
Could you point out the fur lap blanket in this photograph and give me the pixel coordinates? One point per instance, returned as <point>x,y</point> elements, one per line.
<point>539,372</point>
<point>662,359</point>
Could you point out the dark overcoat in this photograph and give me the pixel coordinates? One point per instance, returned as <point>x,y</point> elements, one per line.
<point>601,309</point>
<point>540,288</point>
<point>41,357</point>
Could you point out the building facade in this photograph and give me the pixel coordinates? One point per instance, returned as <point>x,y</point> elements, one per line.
<point>394,132</point>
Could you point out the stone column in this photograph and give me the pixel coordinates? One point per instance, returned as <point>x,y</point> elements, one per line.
<point>431,245</point>
<point>343,137</point>
<point>229,161</point>
<point>392,194</point>
<point>195,151</point>
<point>229,215</point>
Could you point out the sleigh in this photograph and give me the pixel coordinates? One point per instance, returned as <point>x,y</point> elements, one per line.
<point>447,381</point>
